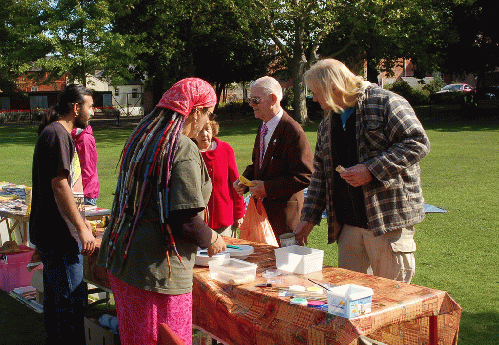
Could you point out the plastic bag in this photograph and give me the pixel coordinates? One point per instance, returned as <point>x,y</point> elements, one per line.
<point>256,226</point>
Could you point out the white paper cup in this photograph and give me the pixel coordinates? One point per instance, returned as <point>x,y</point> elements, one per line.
<point>287,239</point>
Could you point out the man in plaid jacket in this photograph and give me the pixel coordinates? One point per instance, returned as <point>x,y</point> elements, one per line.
<point>373,204</point>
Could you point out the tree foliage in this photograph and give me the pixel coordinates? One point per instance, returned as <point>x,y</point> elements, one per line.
<point>472,38</point>
<point>79,34</point>
<point>190,38</point>
<point>19,43</point>
<point>353,31</point>
<point>383,31</point>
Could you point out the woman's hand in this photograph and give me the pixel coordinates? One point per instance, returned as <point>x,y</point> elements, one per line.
<point>217,244</point>
<point>239,187</point>
<point>238,223</point>
<point>302,231</point>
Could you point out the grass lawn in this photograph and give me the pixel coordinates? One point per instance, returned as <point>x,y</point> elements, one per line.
<point>457,251</point>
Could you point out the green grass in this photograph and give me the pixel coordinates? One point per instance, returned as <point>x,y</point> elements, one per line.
<point>457,251</point>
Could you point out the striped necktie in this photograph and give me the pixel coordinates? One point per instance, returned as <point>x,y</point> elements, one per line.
<point>263,133</point>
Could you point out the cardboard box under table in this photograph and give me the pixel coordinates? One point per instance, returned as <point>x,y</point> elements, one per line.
<point>246,314</point>
<point>95,334</point>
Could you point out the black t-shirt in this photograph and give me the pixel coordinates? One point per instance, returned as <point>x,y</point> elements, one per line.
<point>348,201</point>
<point>54,152</point>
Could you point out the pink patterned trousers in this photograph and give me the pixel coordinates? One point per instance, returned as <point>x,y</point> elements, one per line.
<point>140,312</point>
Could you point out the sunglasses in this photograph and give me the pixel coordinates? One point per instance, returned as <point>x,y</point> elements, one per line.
<point>255,100</point>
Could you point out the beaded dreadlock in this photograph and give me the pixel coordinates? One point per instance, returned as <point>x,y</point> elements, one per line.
<point>148,156</point>
<point>160,134</point>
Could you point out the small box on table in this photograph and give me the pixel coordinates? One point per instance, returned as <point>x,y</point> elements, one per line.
<point>349,300</point>
<point>13,271</point>
<point>299,259</point>
<point>232,271</point>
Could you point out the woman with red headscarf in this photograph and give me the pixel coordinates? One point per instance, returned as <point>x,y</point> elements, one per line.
<point>157,221</point>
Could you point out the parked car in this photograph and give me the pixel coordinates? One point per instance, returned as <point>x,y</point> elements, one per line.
<point>458,87</point>
<point>454,94</point>
<point>487,97</point>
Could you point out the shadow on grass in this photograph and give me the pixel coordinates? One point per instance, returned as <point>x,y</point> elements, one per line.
<point>439,119</point>
<point>448,119</point>
<point>480,328</point>
<point>19,324</point>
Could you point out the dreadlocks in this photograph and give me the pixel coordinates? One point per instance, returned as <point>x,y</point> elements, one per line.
<point>145,159</point>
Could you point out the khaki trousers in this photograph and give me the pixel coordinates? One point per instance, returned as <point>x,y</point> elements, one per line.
<point>229,231</point>
<point>390,255</point>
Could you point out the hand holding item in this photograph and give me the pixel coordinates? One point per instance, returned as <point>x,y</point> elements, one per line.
<point>357,175</point>
<point>246,182</point>
<point>239,187</point>
<point>217,244</point>
<point>302,230</point>
<point>258,190</point>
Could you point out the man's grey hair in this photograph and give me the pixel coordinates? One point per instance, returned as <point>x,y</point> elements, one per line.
<point>270,85</point>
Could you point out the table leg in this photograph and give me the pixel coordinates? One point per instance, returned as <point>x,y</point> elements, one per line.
<point>433,325</point>
<point>11,228</point>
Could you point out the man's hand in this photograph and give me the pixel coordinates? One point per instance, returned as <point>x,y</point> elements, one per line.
<point>357,175</point>
<point>302,231</point>
<point>258,190</point>
<point>239,187</point>
<point>87,240</point>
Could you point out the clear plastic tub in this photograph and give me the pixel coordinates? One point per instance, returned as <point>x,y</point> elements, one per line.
<point>233,271</point>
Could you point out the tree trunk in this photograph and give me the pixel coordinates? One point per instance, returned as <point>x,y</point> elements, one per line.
<point>299,94</point>
<point>297,70</point>
<point>372,71</point>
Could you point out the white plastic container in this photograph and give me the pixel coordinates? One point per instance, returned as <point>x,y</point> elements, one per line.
<point>202,257</point>
<point>233,271</point>
<point>349,300</point>
<point>299,259</point>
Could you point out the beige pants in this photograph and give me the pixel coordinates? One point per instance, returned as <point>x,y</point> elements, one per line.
<point>390,255</point>
<point>229,231</point>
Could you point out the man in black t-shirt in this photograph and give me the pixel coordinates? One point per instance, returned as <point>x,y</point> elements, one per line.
<point>58,226</point>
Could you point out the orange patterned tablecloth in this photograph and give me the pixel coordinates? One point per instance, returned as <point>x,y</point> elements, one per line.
<point>246,314</point>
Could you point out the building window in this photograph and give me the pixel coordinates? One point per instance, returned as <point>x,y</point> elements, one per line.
<point>116,91</point>
<point>34,88</point>
<point>135,93</point>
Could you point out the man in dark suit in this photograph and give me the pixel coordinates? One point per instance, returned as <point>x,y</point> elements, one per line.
<point>282,161</point>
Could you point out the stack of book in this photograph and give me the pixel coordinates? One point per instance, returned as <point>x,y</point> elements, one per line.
<point>27,295</point>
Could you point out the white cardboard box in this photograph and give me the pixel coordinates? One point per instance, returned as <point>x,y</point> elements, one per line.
<point>95,334</point>
<point>349,300</point>
<point>299,259</point>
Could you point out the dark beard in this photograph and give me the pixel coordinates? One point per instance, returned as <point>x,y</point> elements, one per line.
<point>79,123</point>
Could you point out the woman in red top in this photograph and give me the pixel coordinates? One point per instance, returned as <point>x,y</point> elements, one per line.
<point>226,208</point>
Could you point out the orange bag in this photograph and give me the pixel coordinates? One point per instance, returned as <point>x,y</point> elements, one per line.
<point>256,226</point>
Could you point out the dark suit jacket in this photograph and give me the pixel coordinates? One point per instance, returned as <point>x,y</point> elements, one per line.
<point>286,170</point>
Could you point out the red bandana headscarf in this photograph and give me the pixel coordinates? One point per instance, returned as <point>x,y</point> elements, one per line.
<point>187,94</point>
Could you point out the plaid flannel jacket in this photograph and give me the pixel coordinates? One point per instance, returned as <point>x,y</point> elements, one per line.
<point>390,142</point>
